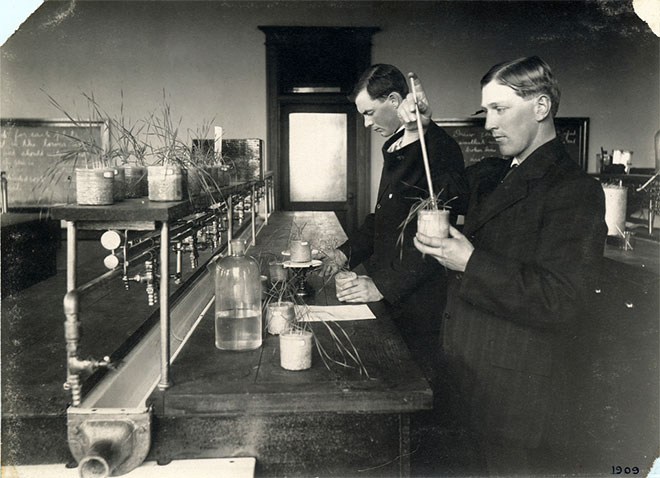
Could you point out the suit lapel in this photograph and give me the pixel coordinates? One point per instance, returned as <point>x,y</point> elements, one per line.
<point>385,177</point>
<point>503,197</point>
<point>516,187</point>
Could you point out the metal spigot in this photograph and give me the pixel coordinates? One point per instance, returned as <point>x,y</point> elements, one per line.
<point>74,365</point>
<point>202,238</point>
<point>190,246</point>
<point>78,366</point>
<point>178,247</point>
<point>149,278</point>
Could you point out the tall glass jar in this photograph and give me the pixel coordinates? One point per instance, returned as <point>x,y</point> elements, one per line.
<point>237,300</point>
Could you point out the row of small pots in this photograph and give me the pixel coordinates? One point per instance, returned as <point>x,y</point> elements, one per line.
<point>104,186</point>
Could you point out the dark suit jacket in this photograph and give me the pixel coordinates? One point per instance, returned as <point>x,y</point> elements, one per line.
<point>509,321</point>
<point>415,285</point>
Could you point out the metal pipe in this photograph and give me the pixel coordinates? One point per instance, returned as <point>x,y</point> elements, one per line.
<point>164,382</point>
<point>253,215</point>
<point>71,249</point>
<point>230,222</point>
<point>5,193</point>
<point>266,202</point>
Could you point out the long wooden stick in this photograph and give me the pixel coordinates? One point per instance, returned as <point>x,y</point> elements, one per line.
<point>425,156</point>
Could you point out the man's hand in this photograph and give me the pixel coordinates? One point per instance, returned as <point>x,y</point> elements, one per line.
<point>333,261</point>
<point>453,252</point>
<point>406,110</point>
<point>361,289</point>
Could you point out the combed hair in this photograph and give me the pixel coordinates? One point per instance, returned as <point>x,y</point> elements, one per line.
<point>527,76</point>
<point>380,80</point>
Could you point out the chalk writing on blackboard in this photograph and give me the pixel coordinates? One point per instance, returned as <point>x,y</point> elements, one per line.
<point>476,143</point>
<point>31,151</point>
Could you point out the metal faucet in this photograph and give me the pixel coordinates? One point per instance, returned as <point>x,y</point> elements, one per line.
<point>75,365</point>
<point>149,278</point>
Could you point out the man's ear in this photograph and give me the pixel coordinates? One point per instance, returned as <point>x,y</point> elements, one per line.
<point>542,107</point>
<point>395,98</point>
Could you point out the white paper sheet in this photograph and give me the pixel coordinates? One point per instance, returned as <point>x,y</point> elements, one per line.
<point>318,313</point>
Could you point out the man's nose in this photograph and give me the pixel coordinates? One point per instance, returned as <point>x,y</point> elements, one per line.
<point>367,121</point>
<point>490,122</point>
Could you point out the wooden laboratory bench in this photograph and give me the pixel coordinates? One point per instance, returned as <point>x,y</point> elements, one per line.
<point>318,422</point>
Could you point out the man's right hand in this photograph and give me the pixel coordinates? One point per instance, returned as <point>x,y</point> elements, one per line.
<point>406,110</point>
<point>333,261</point>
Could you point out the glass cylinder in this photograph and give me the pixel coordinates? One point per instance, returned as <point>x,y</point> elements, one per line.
<point>434,223</point>
<point>237,301</point>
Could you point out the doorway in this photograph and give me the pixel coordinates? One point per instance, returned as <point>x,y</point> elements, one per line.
<point>317,145</point>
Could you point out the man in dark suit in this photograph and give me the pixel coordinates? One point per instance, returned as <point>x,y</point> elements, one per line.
<point>414,285</point>
<point>529,253</point>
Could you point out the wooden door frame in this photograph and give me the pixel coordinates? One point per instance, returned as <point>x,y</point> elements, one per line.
<point>275,101</point>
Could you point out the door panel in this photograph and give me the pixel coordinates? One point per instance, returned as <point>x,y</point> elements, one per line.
<point>319,159</point>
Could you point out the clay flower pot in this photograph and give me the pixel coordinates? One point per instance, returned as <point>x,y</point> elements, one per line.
<point>94,187</point>
<point>165,183</point>
<point>296,350</point>
<point>300,251</point>
<point>433,223</point>
<point>279,317</point>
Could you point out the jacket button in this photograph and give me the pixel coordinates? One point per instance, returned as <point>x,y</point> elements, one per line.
<point>378,206</point>
<point>446,315</point>
<point>459,276</point>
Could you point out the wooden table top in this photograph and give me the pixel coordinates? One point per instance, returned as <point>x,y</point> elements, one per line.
<point>208,381</point>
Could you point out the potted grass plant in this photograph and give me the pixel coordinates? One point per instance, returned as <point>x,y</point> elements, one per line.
<point>199,164</point>
<point>89,159</point>
<point>299,249</point>
<point>165,174</point>
<point>130,150</point>
<point>288,316</point>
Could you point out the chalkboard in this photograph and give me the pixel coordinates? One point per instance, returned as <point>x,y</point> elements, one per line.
<point>477,143</point>
<point>31,153</point>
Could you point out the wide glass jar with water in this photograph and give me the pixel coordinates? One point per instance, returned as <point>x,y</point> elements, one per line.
<point>237,300</point>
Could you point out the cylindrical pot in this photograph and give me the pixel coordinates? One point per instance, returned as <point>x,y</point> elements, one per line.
<point>300,251</point>
<point>119,186</point>
<point>616,204</point>
<point>220,175</point>
<point>279,317</point>
<point>296,350</point>
<point>136,181</point>
<point>342,277</point>
<point>94,187</point>
<point>193,181</point>
<point>165,183</point>
<point>277,271</point>
<point>434,223</point>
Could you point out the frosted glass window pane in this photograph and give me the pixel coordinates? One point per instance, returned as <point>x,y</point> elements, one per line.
<point>317,157</point>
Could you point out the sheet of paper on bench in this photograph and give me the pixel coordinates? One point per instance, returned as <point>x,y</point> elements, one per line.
<point>318,313</point>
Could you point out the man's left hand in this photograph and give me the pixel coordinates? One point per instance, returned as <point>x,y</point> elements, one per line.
<point>361,289</point>
<point>453,252</point>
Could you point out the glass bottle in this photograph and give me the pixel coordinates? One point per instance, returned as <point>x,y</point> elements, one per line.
<point>237,300</point>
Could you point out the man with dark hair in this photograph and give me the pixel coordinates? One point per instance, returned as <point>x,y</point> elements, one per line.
<point>401,277</point>
<point>528,255</point>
